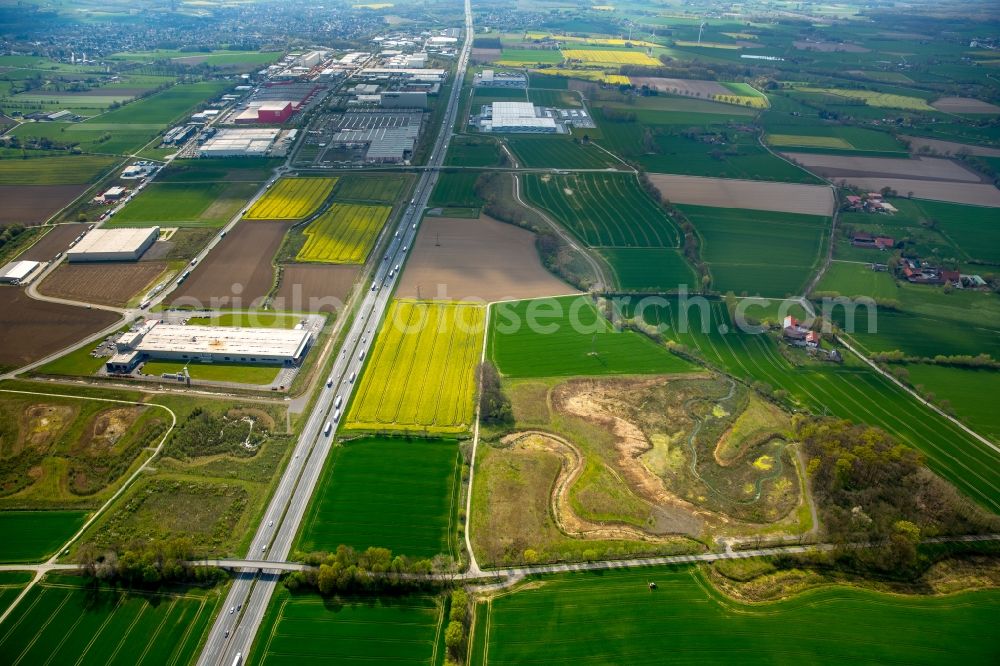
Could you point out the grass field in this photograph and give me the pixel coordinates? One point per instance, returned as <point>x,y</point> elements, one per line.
<point>877,99</point>
<point>455,189</point>
<point>521,57</point>
<point>851,391</point>
<point>585,75</point>
<point>11,584</point>
<point>803,141</point>
<point>185,205</point>
<point>969,392</point>
<point>32,536</point>
<point>292,199</point>
<point>650,269</point>
<point>759,252</point>
<point>558,152</point>
<point>613,618</point>
<point>216,372</point>
<point>603,210</point>
<point>383,187</point>
<point>68,170</point>
<point>62,621</point>
<point>162,108</point>
<point>853,279</point>
<point>344,234</point>
<point>386,630</point>
<point>370,488</point>
<point>420,374</point>
<point>569,337</point>
<point>972,228</point>
<point>610,57</point>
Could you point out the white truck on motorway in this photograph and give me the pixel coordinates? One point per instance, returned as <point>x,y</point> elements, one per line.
<point>338,401</point>
<point>327,428</point>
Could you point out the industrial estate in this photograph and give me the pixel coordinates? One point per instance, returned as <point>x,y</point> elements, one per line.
<point>451,332</point>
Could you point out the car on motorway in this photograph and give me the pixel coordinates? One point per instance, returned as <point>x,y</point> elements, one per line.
<point>353,376</point>
<point>338,401</point>
<point>336,415</point>
<point>329,381</point>
<point>374,285</point>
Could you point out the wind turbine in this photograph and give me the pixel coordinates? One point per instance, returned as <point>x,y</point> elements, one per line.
<point>700,28</point>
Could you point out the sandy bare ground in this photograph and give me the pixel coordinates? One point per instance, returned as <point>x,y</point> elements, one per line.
<point>964,105</point>
<point>682,86</point>
<point>940,147</point>
<point>828,47</point>
<point>978,194</point>
<point>314,288</point>
<point>919,168</point>
<point>476,259</point>
<point>756,195</point>
<point>52,243</point>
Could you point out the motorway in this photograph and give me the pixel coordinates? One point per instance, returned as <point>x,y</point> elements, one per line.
<point>233,632</point>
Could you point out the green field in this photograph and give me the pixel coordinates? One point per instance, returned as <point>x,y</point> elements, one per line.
<point>614,618</point>
<point>559,153</point>
<point>344,234</point>
<point>32,536</point>
<point>569,337</point>
<point>856,279</point>
<point>68,170</point>
<point>650,269</point>
<point>256,374</point>
<point>517,57</point>
<point>420,373</point>
<point>969,392</point>
<point>11,584</point>
<point>973,228</point>
<point>185,205</point>
<point>371,494</point>
<point>62,620</point>
<point>163,108</point>
<point>603,210</point>
<point>851,391</point>
<point>473,152</point>
<point>759,252</point>
<point>383,187</point>
<point>305,628</point>
<point>455,189</point>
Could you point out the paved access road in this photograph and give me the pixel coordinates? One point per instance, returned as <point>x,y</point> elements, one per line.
<point>233,631</point>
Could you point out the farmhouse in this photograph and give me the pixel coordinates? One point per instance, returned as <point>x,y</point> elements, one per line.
<point>113,245</point>
<point>792,330</point>
<point>19,272</point>
<point>207,344</point>
<point>920,272</point>
<point>865,239</point>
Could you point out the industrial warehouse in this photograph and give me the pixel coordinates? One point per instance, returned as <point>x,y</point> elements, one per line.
<point>239,142</point>
<point>517,117</point>
<point>113,245</point>
<point>19,272</point>
<point>208,344</point>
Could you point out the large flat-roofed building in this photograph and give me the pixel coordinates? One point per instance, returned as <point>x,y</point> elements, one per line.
<point>404,100</point>
<point>19,272</point>
<point>239,143</point>
<point>208,344</point>
<point>113,245</point>
<point>517,117</point>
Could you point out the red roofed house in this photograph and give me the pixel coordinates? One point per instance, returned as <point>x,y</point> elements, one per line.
<point>792,330</point>
<point>812,339</point>
<point>884,242</point>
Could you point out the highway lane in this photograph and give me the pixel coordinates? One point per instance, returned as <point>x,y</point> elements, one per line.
<point>233,632</point>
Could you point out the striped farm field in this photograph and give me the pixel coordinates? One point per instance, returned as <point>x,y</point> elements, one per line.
<point>344,234</point>
<point>800,141</point>
<point>615,618</point>
<point>603,209</point>
<point>368,489</point>
<point>420,374</point>
<point>64,621</point>
<point>851,391</point>
<point>610,57</point>
<point>299,629</point>
<point>292,199</point>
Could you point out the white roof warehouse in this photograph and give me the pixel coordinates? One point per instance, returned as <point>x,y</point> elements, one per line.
<point>209,344</point>
<point>113,244</point>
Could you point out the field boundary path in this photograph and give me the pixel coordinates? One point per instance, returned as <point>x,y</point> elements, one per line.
<point>50,564</point>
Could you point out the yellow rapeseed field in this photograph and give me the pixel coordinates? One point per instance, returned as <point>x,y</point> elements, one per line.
<point>875,98</point>
<point>344,234</point>
<point>609,57</point>
<point>420,375</point>
<point>586,75</point>
<point>292,199</point>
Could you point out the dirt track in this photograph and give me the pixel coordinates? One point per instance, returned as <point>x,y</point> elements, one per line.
<point>314,288</point>
<point>921,168</point>
<point>34,329</point>
<point>238,272</point>
<point>33,204</point>
<point>756,195</point>
<point>112,284</point>
<point>964,105</point>
<point>480,259</point>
